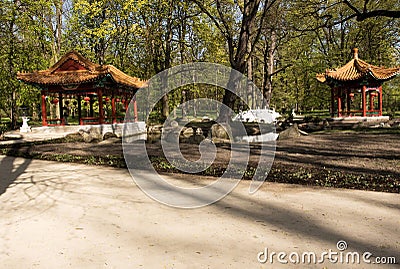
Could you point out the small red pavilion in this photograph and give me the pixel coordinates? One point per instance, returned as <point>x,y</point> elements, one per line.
<point>76,84</point>
<point>356,88</point>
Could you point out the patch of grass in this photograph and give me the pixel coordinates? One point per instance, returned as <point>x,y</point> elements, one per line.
<point>292,174</point>
<point>364,130</point>
<point>334,178</point>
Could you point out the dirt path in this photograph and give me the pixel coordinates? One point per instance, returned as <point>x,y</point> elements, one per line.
<point>57,215</point>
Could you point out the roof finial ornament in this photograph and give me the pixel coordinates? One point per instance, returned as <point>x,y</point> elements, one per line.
<point>355,53</point>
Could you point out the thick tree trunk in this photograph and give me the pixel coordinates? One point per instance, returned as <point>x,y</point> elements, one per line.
<point>59,11</point>
<point>13,109</point>
<point>250,88</point>
<point>269,59</point>
<point>12,86</point>
<point>168,59</point>
<point>229,99</point>
<point>238,57</point>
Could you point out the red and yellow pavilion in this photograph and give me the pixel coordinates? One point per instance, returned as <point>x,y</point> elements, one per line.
<point>356,88</point>
<point>74,82</point>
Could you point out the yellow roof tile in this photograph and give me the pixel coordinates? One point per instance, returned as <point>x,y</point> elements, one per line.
<point>357,69</point>
<point>87,72</point>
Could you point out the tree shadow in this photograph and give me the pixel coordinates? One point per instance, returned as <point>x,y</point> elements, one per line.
<point>292,221</point>
<point>10,171</point>
<point>304,161</point>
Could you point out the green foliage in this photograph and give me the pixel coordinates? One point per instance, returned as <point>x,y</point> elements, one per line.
<point>3,128</point>
<point>143,37</point>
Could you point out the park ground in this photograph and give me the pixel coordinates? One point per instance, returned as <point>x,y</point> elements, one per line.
<point>63,215</point>
<point>366,160</point>
<point>75,215</point>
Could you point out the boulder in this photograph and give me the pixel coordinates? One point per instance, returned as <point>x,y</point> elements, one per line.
<point>170,134</point>
<point>92,135</point>
<point>187,132</point>
<point>291,132</point>
<point>205,119</point>
<point>220,131</point>
<point>194,139</point>
<point>199,131</point>
<point>174,124</point>
<point>109,135</point>
<point>74,137</point>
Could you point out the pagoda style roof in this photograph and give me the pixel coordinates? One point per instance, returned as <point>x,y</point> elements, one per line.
<point>74,69</point>
<point>357,69</point>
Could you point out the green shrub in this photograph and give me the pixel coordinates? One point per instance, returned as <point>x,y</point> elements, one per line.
<point>4,128</point>
<point>155,117</point>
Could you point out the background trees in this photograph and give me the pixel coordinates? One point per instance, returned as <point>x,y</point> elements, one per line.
<point>280,45</point>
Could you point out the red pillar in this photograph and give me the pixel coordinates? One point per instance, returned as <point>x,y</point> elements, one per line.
<point>135,113</point>
<point>332,102</point>
<point>364,103</point>
<point>371,101</point>
<point>101,110</point>
<point>80,110</point>
<point>126,102</point>
<point>44,111</point>
<point>339,101</point>
<point>348,101</point>
<point>380,100</point>
<point>61,108</point>
<point>113,110</point>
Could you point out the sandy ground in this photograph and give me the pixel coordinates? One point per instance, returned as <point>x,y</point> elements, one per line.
<point>57,215</point>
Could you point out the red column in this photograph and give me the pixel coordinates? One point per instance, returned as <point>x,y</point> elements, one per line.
<point>61,108</point>
<point>101,110</point>
<point>380,101</point>
<point>80,110</point>
<point>332,102</point>
<point>113,110</point>
<point>339,102</point>
<point>339,106</point>
<point>135,113</point>
<point>371,101</point>
<point>44,111</point>
<point>126,102</point>
<point>348,101</point>
<point>364,103</point>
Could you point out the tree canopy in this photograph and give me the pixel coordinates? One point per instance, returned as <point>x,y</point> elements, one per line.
<point>278,44</point>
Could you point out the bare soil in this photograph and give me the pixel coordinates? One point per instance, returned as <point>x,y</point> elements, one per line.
<point>350,152</point>
<point>340,159</point>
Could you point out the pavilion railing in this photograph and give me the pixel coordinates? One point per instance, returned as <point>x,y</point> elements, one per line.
<point>96,120</point>
<point>89,120</point>
<point>356,113</point>
<point>55,122</point>
<point>118,119</point>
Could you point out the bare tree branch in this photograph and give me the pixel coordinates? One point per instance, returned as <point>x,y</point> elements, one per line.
<point>259,30</point>
<point>365,14</point>
<point>280,70</point>
<point>379,13</point>
<point>356,11</point>
<point>209,15</point>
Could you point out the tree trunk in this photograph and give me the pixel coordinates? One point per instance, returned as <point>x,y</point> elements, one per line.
<point>269,59</point>
<point>229,99</point>
<point>12,86</point>
<point>13,110</point>
<point>167,59</point>
<point>59,6</point>
<point>250,88</point>
<point>238,58</point>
